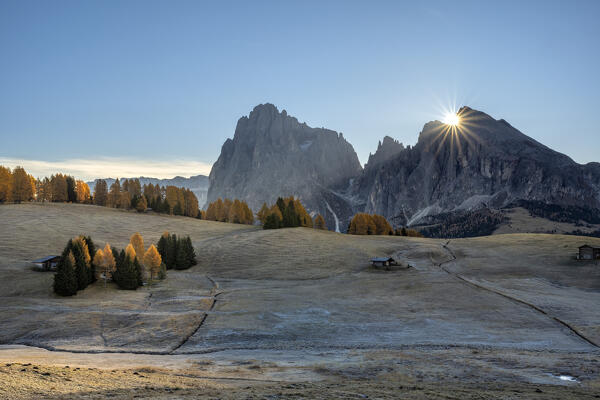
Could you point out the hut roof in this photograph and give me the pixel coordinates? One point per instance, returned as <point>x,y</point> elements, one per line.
<point>588,246</point>
<point>382,259</point>
<point>44,259</point>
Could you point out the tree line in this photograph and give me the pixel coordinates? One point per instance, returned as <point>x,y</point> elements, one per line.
<point>16,185</point>
<point>129,194</point>
<point>234,211</point>
<point>375,224</point>
<point>288,212</point>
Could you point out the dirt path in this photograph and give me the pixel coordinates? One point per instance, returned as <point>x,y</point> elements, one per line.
<point>509,297</point>
<point>214,293</point>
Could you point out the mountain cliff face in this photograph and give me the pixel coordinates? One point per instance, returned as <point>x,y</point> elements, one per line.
<point>482,162</point>
<point>272,154</point>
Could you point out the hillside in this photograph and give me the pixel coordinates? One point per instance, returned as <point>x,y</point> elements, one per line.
<point>518,304</point>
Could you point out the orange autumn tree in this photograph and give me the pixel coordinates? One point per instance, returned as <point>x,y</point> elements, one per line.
<point>382,226</point>
<point>320,222</point>
<point>367,224</point>
<point>5,184</point>
<point>82,191</point>
<point>137,242</point>
<point>22,185</point>
<point>263,213</point>
<point>152,261</point>
<point>235,211</point>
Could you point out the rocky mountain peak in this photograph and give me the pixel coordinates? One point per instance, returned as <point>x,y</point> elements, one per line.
<point>272,154</point>
<point>481,162</point>
<point>386,149</point>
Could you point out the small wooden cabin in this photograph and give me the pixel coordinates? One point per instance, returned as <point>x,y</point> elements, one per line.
<point>379,262</point>
<point>48,263</point>
<point>587,252</point>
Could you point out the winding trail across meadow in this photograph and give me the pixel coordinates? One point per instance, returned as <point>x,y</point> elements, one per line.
<point>214,292</point>
<point>476,285</point>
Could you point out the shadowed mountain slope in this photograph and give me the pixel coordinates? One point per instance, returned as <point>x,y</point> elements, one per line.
<point>272,154</point>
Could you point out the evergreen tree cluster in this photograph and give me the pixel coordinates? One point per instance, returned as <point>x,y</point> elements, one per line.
<point>558,213</point>
<point>176,252</point>
<point>369,224</point>
<point>480,222</point>
<point>236,211</point>
<point>128,271</point>
<point>75,270</point>
<point>285,213</point>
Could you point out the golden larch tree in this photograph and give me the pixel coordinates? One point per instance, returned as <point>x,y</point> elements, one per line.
<point>362,224</point>
<point>130,252</point>
<point>248,214</point>
<point>109,263</point>
<point>5,184</point>
<point>382,226</point>
<point>320,222</point>
<point>22,187</point>
<point>152,261</point>
<point>141,205</point>
<point>114,196</point>
<point>58,188</point>
<point>137,241</point>
<point>83,192</point>
<point>263,213</point>
<point>84,247</point>
<point>98,258</point>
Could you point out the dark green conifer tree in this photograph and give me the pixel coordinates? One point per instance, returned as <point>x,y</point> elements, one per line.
<point>65,280</point>
<point>271,222</point>
<point>178,210</point>
<point>181,261</point>
<point>162,273</point>
<point>81,268</point>
<point>165,208</point>
<point>171,256</point>
<point>71,194</point>
<point>138,272</point>
<point>92,250</point>
<point>281,205</point>
<point>161,246</point>
<point>290,217</point>
<point>190,252</point>
<point>127,275</point>
<point>118,260</point>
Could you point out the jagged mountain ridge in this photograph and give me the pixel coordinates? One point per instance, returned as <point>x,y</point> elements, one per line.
<point>485,163</point>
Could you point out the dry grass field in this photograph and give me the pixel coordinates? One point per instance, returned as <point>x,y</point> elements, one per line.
<point>298,313</point>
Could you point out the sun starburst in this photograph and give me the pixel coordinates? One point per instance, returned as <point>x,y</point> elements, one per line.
<point>451,118</point>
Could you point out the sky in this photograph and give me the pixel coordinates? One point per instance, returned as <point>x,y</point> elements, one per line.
<point>107,88</point>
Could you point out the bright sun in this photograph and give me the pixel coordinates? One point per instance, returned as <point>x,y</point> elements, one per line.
<point>451,119</point>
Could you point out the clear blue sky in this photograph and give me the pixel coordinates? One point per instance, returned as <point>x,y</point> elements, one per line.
<point>168,80</point>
